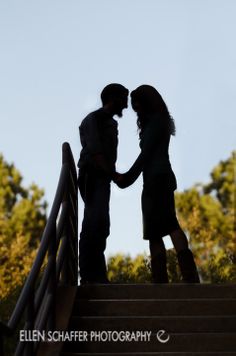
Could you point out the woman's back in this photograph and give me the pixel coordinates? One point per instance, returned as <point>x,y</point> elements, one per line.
<point>154,144</point>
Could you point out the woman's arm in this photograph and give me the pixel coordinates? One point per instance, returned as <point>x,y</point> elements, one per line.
<point>126,179</point>
<point>152,138</point>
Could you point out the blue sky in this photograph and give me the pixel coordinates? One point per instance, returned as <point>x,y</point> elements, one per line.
<point>56,56</point>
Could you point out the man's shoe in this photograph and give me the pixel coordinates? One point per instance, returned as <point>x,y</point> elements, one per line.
<point>95,281</point>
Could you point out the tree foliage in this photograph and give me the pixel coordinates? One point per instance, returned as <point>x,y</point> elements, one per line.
<point>22,220</point>
<point>124,269</point>
<point>207,214</point>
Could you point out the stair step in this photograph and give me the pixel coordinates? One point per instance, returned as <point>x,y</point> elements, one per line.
<point>210,342</point>
<point>200,319</point>
<point>155,291</point>
<point>172,324</point>
<point>215,353</point>
<point>142,307</point>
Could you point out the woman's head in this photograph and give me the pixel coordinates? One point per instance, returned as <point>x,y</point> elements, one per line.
<point>146,100</point>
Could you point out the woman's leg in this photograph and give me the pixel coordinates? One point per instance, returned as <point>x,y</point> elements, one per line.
<point>185,257</point>
<point>179,240</point>
<point>158,261</point>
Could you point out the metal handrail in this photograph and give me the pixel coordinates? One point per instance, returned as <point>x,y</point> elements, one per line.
<point>59,236</point>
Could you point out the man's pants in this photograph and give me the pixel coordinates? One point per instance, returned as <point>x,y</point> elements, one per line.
<point>95,190</point>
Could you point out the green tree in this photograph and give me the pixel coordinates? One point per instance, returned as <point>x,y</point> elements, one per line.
<point>124,269</point>
<point>207,214</point>
<point>22,220</point>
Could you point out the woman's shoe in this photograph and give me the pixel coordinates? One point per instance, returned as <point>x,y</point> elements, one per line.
<point>187,266</point>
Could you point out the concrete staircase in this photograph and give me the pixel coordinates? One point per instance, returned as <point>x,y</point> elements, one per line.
<point>200,320</point>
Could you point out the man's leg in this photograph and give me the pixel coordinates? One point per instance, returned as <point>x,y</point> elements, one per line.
<point>95,229</point>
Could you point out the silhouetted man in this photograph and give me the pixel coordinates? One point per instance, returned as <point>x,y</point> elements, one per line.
<point>99,139</point>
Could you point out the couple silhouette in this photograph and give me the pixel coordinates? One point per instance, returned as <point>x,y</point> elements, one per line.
<point>99,140</point>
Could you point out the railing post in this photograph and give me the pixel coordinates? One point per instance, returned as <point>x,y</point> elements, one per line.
<point>75,237</point>
<point>65,267</point>
<point>71,231</point>
<point>30,319</point>
<point>1,345</point>
<point>51,290</point>
<point>73,234</point>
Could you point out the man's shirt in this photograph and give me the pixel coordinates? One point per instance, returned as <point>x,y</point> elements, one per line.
<point>98,136</point>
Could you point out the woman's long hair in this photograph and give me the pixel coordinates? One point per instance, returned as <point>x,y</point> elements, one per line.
<point>151,102</point>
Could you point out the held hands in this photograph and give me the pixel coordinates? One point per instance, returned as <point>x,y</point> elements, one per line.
<point>121,180</point>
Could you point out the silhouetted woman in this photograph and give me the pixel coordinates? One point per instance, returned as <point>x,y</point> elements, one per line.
<point>158,206</point>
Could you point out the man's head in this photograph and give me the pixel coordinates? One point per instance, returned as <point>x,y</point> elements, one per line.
<point>115,98</point>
